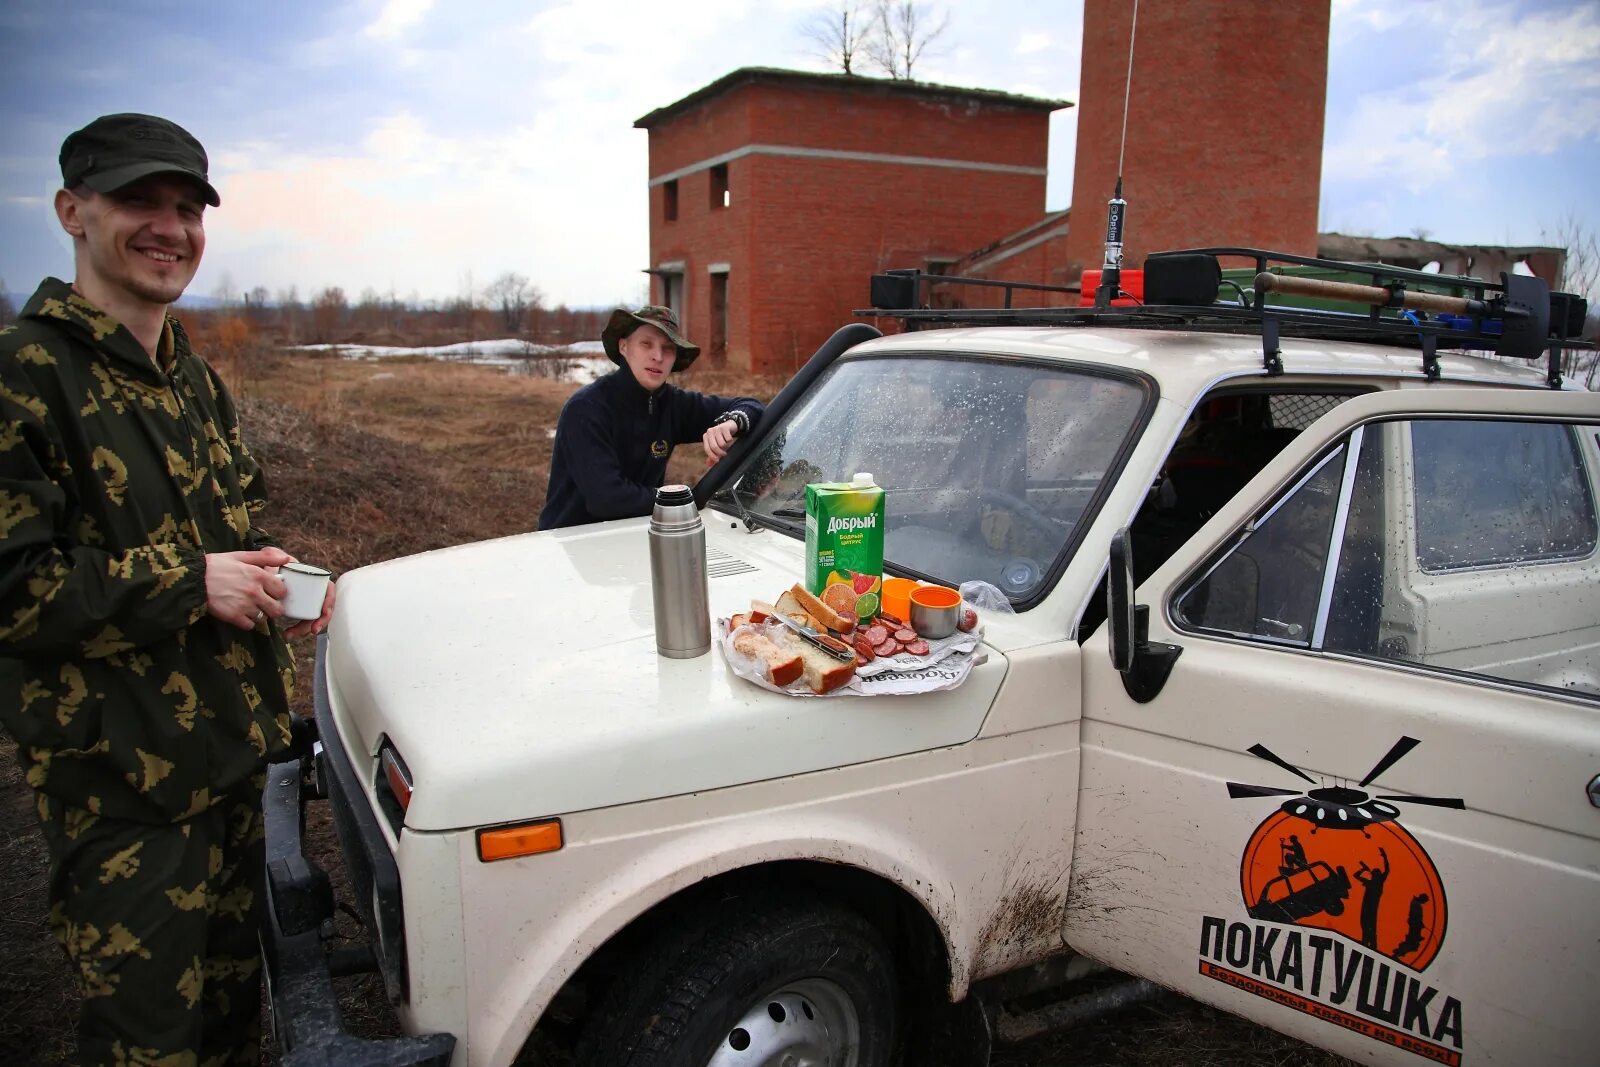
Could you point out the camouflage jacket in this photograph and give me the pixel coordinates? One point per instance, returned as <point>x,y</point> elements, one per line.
<point>126,698</point>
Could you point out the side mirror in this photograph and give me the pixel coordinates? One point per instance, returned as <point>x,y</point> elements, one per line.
<point>1144,665</point>
<point>1119,601</point>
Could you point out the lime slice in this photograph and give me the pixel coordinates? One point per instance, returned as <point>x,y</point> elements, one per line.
<point>866,605</point>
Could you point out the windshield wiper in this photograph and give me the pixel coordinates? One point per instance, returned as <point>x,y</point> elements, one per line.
<point>752,519</point>
<point>731,494</point>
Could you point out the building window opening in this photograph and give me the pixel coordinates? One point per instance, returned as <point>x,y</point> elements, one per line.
<point>672,291</point>
<point>721,196</point>
<point>669,200</point>
<point>719,314</point>
<point>939,265</point>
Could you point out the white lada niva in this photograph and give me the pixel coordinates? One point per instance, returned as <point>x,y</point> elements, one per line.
<point>1295,710</point>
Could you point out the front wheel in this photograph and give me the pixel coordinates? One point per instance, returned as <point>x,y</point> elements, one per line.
<point>761,984</point>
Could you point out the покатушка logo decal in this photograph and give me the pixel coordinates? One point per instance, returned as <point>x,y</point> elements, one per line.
<point>1346,909</point>
<point>1337,858</point>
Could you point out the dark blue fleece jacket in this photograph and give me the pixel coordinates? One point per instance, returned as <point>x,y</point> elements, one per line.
<point>613,441</point>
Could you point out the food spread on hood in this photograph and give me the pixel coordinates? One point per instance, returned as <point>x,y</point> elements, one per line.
<point>821,645</point>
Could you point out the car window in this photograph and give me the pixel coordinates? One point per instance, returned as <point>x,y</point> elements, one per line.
<point>1270,584</point>
<point>1526,494</point>
<point>988,466</point>
<point>1463,545</point>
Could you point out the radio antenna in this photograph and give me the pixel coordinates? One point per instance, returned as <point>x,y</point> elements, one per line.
<point>1116,210</point>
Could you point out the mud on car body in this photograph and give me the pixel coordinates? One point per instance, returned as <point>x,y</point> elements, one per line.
<point>1294,712</point>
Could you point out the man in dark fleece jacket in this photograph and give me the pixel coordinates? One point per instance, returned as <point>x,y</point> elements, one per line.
<point>616,434</point>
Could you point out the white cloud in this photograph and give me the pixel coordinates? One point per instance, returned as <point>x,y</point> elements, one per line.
<point>396,17</point>
<point>1499,82</point>
<point>415,209</point>
<point>1031,42</point>
<point>1351,17</point>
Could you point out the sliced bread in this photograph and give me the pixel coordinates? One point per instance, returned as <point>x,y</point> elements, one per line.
<point>813,606</point>
<point>823,673</point>
<point>782,665</point>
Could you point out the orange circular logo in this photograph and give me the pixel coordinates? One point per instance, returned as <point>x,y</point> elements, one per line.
<point>1337,858</point>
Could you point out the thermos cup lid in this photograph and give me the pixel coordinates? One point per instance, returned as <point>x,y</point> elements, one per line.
<point>674,510</point>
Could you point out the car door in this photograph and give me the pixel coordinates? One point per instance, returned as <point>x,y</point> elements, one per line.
<point>1361,808</point>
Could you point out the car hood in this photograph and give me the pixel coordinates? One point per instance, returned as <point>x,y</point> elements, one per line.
<point>519,678</point>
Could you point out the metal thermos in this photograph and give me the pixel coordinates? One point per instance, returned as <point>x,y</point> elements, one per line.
<point>678,575</point>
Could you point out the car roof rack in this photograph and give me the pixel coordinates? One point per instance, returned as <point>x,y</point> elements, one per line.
<point>1517,317</point>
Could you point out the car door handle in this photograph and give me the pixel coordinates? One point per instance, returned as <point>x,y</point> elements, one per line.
<point>1594,790</point>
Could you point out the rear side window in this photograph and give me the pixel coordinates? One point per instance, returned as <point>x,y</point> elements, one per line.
<point>1494,493</point>
<point>1464,546</point>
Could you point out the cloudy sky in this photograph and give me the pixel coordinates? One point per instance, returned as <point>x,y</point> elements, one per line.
<point>424,148</point>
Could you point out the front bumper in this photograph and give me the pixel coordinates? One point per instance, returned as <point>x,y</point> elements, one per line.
<point>298,917</point>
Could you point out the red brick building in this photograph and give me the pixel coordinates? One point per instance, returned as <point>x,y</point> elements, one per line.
<point>775,195</point>
<point>1224,126</point>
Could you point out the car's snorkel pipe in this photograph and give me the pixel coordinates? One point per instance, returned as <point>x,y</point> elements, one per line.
<point>844,338</point>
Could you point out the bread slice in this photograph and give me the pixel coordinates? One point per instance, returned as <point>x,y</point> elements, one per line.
<point>817,609</point>
<point>791,609</point>
<point>782,665</point>
<point>823,673</point>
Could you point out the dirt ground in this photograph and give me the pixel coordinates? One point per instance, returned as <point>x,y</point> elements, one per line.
<point>368,461</point>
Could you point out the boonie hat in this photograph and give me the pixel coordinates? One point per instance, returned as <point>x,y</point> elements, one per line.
<point>115,150</point>
<point>623,322</point>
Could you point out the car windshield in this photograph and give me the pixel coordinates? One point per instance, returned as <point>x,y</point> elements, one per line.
<point>988,465</point>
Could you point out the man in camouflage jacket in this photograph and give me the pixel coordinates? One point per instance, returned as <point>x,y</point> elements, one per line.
<point>142,671</point>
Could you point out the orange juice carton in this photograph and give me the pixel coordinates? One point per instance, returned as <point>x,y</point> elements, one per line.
<point>844,540</point>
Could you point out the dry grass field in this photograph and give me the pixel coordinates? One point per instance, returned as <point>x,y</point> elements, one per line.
<point>371,460</point>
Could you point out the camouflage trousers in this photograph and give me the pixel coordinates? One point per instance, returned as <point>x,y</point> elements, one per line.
<point>159,924</point>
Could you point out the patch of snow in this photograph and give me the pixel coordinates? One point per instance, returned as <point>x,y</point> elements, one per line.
<point>581,362</point>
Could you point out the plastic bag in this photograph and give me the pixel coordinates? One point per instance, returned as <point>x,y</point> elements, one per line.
<point>985,598</point>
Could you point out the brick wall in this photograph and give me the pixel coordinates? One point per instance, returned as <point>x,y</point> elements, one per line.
<point>1224,127</point>
<point>803,234</point>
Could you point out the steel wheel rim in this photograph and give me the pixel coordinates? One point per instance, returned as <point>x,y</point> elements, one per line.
<point>809,1023</point>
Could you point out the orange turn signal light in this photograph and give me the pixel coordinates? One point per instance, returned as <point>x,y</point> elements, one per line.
<point>524,839</point>
<point>396,774</point>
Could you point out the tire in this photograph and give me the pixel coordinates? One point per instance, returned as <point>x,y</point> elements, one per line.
<point>757,984</point>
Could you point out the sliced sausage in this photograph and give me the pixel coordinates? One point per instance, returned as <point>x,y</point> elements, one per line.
<point>918,647</point>
<point>907,634</point>
<point>877,633</point>
<point>864,648</point>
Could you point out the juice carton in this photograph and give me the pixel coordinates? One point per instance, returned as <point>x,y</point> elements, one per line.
<point>844,539</point>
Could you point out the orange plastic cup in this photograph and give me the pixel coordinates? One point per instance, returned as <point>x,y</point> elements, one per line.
<point>897,597</point>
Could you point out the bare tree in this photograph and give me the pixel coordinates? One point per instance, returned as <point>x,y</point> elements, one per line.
<point>512,296</point>
<point>328,312</point>
<point>1581,275</point>
<point>226,293</point>
<point>839,34</point>
<point>8,314</point>
<point>289,313</point>
<point>901,34</point>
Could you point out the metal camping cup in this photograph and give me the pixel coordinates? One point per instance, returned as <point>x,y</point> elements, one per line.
<point>678,575</point>
<point>935,611</point>
<point>308,586</point>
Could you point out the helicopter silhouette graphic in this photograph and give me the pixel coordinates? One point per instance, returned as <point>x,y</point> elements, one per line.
<point>1327,844</point>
